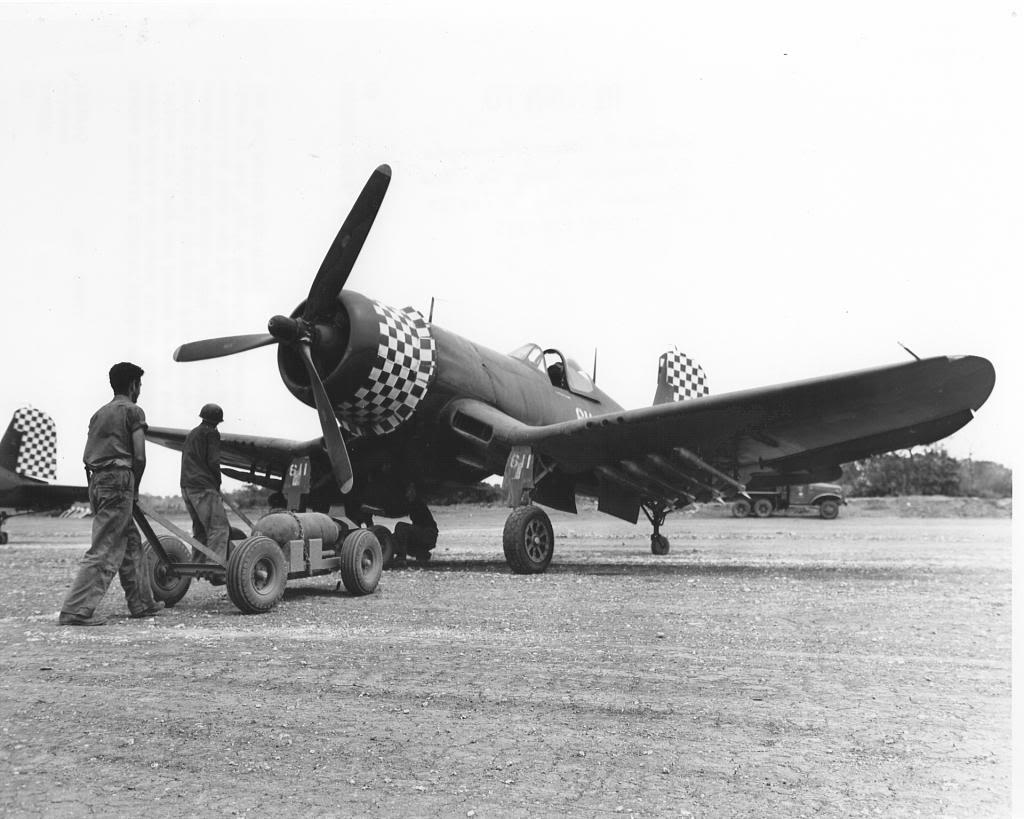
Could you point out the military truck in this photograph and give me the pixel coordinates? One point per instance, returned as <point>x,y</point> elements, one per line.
<point>763,503</point>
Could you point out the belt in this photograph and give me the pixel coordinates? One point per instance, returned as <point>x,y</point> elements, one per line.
<point>92,470</point>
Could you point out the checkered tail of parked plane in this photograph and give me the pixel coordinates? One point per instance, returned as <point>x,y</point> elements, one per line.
<point>29,447</point>
<point>679,378</point>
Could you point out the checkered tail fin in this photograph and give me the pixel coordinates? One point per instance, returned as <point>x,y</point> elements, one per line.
<point>29,447</point>
<point>679,378</point>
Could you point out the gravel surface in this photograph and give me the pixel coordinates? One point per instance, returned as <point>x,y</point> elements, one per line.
<point>779,667</point>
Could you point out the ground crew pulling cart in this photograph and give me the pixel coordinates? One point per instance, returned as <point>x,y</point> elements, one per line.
<point>282,546</point>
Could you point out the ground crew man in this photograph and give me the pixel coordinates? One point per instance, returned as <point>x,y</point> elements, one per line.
<point>419,536</point>
<point>200,484</point>
<point>115,458</point>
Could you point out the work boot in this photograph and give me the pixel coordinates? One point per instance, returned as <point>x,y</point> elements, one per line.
<point>78,620</point>
<point>151,612</point>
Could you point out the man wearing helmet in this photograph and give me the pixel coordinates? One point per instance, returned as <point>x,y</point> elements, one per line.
<point>200,483</point>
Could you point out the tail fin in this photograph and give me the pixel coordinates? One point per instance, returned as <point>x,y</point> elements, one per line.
<point>29,447</point>
<point>679,378</point>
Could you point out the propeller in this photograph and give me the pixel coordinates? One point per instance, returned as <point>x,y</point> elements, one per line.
<point>317,326</point>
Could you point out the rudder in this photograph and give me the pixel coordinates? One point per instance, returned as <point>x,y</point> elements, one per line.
<point>680,378</point>
<point>29,446</point>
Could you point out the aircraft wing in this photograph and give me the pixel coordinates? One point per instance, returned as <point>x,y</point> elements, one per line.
<point>249,458</point>
<point>700,448</point>
<point>42,496</point>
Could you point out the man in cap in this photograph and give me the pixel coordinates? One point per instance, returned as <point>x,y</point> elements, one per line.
<point>200,483</point>
<point>115,458</point>
<point>418,537</point>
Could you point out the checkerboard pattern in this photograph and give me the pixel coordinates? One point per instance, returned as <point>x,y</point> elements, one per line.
<point>37,455</point>
<point>406,359</point>
<point>683,375</point>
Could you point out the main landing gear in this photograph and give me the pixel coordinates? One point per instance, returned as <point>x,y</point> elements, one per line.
<point>528,540</point>
<point>656,514</point>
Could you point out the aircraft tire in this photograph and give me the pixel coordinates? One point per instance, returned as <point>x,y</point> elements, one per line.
<point>257,574</point>
<point>763,508</point>
<point>361,562</point>
<point>659,545</point>
<point>828,509</point>
<point>528,540</point>
<point>387,544</point>
<point>741,509</point>
<point>167,588</point>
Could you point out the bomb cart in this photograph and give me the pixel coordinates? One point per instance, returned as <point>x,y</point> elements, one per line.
<point>827,497</point>
<point>282,546</point>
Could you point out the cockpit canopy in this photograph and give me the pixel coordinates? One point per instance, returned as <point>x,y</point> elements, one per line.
<point>563,372</point>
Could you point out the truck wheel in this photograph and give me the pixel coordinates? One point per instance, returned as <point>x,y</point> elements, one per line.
<point>256,575</point>
<point>361,561</point>
<point>741,508</point>
<point>659,545</point>
<point>762,508</point>
<point>167,586</point>
<point>528,540</point>
<point>387,544</point>
<point>828,509</point>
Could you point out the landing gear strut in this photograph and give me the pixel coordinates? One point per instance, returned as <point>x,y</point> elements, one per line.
<point>656,514</point>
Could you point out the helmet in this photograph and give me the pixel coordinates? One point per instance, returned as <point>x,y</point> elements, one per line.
<point>212,413</point>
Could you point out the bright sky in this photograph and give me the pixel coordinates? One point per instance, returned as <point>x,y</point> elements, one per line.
<point>782,190</point>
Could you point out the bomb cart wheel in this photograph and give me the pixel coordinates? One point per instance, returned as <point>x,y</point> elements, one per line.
<point>659,545</point>
<point>763,508</point>
<point>528,540</point>
<point>257,574</point>
<point>387,544</point>
<point>361,562</point>
<point>829,509</point>
<point>741,509</point>
<point>167,586</point>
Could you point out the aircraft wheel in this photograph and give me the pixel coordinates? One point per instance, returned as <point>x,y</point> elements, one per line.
<point>829,509</point>
<point>167,586</point>
<point>762,508</point>
<point>361,561</point>
<point>741,508</point>
<point>659,545</point>
<point>256,575</point>
<point>387,544</point>
<point>528,540</point>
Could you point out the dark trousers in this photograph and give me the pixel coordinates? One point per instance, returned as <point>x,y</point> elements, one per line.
<point>209,521</point>
<point>116,548</point>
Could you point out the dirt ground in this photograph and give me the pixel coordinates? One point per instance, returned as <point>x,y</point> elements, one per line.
<point>780,667</point>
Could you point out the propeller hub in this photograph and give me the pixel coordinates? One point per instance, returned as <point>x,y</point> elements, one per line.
<point>285,328</point>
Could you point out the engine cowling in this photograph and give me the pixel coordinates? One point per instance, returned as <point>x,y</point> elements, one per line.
<point>376,363</point>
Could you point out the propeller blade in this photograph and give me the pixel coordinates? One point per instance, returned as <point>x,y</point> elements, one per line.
<point>217,347</point>
<point>344,250</point>
<point>341,466</point>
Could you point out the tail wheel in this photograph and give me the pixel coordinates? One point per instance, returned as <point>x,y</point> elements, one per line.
<point>167,586</point>
<point>763,508</point>
<point>387,544</point>
<point>528,540</point>
<point>257,574</point>
<point>828,509</point>
<point>659,545</point>
<point>361,561</point>
<point>741,508</point>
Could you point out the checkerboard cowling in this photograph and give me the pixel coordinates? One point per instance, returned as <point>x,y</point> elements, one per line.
<point>685,376</point>
<point>406,358</point>
<point>37,455</point>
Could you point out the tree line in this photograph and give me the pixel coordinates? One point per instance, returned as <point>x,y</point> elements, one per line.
<point>927,471</point>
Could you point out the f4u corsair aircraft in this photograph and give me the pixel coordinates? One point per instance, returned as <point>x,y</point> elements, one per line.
<point>422,406</point>
<point>28,460</point>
